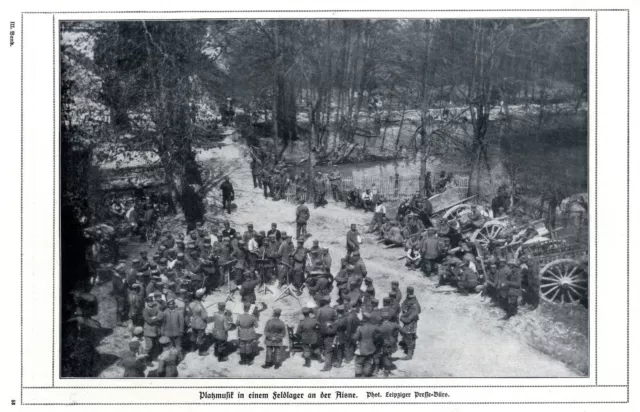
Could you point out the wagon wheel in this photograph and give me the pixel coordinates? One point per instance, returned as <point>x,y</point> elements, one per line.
<point>487,233</point>
<point>563,281</point>
<point>455,212</point>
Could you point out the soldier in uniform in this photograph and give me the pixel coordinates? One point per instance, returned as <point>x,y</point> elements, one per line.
<point>299,260</point>
<point>302,216</point>
<point>136,304</point>
<point>352,240</point>
<point>152,321</point>
<point>220,333</point>
<point>307,332</point>
<point>246,335</point>
<point>266,181</point>
<point>255,173</point>
<point>335,179</point>
<point>511,289</point>
<point>325,315</point>
<point>241,256</point>
<point>173,324</point>
<point>365,337</point>
<point>133,366</point>
<point>410,311</point>
<point>248,287</point>
<point>198,322</point>
<point>274,333</point>
<point>430,251</point>
<point>355,294</point>
<point>285,250</point>
<point>352,324</point>
<point>359,268</point>
<point>389,331</point>
<point>168,360</point>
<point>340,325</point>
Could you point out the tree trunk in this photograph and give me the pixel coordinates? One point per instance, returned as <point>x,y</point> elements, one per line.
<point>276,73</point>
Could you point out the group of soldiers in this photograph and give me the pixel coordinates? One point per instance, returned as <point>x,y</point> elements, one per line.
<point>435,247</point>
<point>162,295</point>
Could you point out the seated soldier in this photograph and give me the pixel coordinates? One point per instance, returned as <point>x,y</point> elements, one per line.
<point>468,279</point>
<point>394,235</point>
<point>413,258</point>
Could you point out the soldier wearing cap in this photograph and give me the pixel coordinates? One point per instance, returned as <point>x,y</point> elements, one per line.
<point>429,250</point>
<point>285,250</point>
<point>394,306</point>
<point>389,330</point>
<point>355,294</point>
<point>144,260</point>
<point>133,366</point>
<point>152,321</point>
<point>248,287</point>
<point>138,336</point>
<point>366,336</point>
<point>326,316</point>
<point>120,293</point>
<point>168,360</point>
<point>246,335</point>
<point>352,240</point>
<point>221,327</point>
<point>198,322</point>
<point>249,234</point>
<point>298,262</point>
<point>342,279</point>
<point>359,267</point>
<point>275,232</point>
<point>274,333</point>
<point>302,217</point>
<point>340,325</point>
<point>410,311</point>
<point>376,314</point>
<point>511,289</point>
<point>352,324</point>
<point>468,280</point>
<point>173,324</point>
<point>136,304</point>
<point>307,333</point>
<point>367,298</point>
<point>500,278</point>
<point>241,256</point>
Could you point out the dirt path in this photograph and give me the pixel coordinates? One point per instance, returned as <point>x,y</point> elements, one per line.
<point>457,336</point>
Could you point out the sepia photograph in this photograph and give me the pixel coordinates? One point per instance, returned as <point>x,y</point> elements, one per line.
<point>316,198</point>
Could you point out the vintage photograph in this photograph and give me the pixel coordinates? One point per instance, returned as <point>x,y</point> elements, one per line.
<point>324,198</point>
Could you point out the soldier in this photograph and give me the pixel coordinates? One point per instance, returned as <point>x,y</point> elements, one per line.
<point>530,281</point>
<point>241,256</point>
<point>376,313</point>
<point>353,244</point>
<point>228,194</point>
<point>389,331</point>
<point>133,366</point>
<point>299,260</point>
<point>266,181</point>
<point>335,180</point>
<point>395,287</point>
<point>173,324</point>
<point>302,216</point>
<point>430,252</point>
<point>120,293</point>
<point>355,294</point>
<point>249,233</point>
<point>326,317</point>
<point>228,231</point>
<point>136,305</point>
<point>394,305</point>
<point>221,327</point>
<point>168,360</point>
<point>342,278</point>
<point>271,253</point>
<point>255,173</point>
<point>410,311</point>
<point>285,250</point>
<point>367,298</point>
<point>340,325</point>
<point>307,332</point>
<point>246,335</point>
<point>365,336</point>
<point>274,231</point>
<point>352,324</point>
<point>468,279</point>
<point>248,288</point>
<point>359,268</point>
<point>511,289</point>
<point>274,332</point>
<point>198,322</point>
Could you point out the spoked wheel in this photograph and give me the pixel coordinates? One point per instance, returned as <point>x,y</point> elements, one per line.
<point>563,281</point>
<point>488,233</point>
<point>455,212</point>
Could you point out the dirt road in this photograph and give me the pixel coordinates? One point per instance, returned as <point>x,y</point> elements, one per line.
<point>458,336</point>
